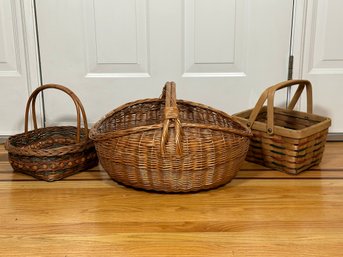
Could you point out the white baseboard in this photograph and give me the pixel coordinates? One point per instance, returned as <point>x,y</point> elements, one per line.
<point>335,137</point>
<point>3,139</point>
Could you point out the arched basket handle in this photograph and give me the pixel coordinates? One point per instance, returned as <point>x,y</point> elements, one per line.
<point>269,94</point>
<point>171,115</point>
<point>76,100</point>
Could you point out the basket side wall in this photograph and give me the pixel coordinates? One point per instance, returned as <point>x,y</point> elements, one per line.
<point>210,158</point>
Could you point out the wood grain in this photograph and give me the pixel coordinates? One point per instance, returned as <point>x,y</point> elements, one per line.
<point>260,213</point>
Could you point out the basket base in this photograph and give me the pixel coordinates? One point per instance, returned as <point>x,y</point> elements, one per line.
<point>161,191</point>
<point>283,169</point>
<point>213,187</point>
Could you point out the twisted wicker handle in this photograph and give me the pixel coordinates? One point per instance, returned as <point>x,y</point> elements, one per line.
<point>171,113</point>
<point>76,100</point>
<point>268,95</point>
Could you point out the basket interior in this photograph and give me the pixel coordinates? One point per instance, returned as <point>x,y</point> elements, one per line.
<point>47,138</point>
<point>151,112</point>
<point>289,119</point>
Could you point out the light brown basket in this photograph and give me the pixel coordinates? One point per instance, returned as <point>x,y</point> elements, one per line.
<point>284,139</point>
<point>170,145</point>
<point>52,153</point>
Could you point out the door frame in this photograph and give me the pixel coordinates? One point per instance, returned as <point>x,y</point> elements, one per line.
<point>299,32</point>
<point>299,17</point>
<point>31,44</point>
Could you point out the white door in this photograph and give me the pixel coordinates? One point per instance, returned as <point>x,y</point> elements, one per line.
<point>18,66</point>
<point>319,55</point>
<point>222,53</point>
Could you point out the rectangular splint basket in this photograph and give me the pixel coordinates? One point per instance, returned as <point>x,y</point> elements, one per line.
<point>285,139</point>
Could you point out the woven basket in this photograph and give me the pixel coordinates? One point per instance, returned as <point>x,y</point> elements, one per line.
<point>284,139</point>
<point>52,153</point>
<point>170,145</point>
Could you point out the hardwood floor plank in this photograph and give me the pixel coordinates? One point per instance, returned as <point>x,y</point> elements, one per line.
<point>179,244</point>
<point>330,168</point>
<point>9,175</point>
<point>104,201</point>
<point>331,161</point>
<point>264,174</point>
<point>248,217</point>
<point>260,213</point>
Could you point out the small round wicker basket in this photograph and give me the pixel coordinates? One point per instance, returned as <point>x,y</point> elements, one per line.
<point>52,153</point>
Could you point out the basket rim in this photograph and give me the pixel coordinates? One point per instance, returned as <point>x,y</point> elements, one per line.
<point>57,151</point>
<point>95,135</point>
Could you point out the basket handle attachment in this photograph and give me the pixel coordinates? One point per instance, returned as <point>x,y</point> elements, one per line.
<point>268,95</point>
<point>76,100</point>
<point>171,114</point>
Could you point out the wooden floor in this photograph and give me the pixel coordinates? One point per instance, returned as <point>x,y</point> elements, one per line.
<point>260,213</point>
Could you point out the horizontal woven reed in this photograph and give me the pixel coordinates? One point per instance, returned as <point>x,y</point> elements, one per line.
<point>284,139</point>
<point>170,145</point>
<point>52,153</point>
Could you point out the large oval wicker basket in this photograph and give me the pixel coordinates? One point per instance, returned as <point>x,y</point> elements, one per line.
<point>52,153</point>
<point>170,145</point>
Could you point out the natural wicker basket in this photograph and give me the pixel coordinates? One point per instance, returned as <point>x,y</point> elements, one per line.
<point>52,153</point>
<point>284,139</point>
<point>170,145</point>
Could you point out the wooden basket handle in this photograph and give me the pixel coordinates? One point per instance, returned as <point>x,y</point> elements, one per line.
<point>76,100</point>
<point>171,113</point>
<point>269,94</point>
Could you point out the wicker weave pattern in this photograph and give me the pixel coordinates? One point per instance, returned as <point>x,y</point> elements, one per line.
<point>168,145</point>
<point>288,140</point>
<point>280,154</point>
<point>51,168</point>
<point>52,153</point>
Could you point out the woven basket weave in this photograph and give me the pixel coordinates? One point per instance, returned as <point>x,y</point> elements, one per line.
<point>285,139</point>
<point>52,153</point>
<point>170,145</point>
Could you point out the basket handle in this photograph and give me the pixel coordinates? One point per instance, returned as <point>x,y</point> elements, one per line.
<point>76,100</point>
<point>171,113</point>
<point>268,95</point>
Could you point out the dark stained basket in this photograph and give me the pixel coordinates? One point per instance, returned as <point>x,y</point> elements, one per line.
<point>170,145</point>
<point>52,153</point>
<point>285,139</point>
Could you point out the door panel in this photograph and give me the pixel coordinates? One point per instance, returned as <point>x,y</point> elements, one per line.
<point>214,38</point>
<point>323,58</point>
<point>116,38</point>
<point>221,53</point>
<point>18,72</point>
